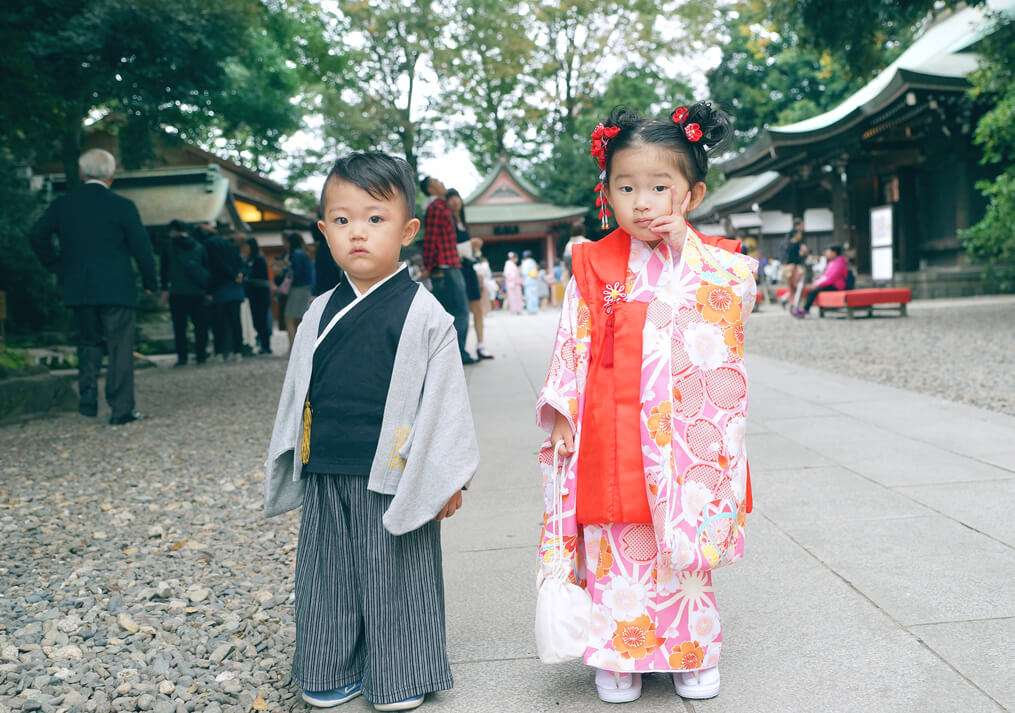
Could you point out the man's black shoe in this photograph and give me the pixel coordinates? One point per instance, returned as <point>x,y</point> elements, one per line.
<point>89,412</point>
<point>129,418</point>
<point>469,359</point>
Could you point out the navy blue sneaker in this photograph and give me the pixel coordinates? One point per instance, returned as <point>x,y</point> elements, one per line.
<point>334,697</point>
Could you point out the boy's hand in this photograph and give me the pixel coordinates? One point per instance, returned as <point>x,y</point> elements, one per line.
<point>454,502</point>
<point>562,432</point>
<point>673,227</point>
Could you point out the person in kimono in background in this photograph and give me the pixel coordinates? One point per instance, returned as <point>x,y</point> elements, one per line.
<point>513,284</point>
<point>374,439</point>
<point>647,389</point>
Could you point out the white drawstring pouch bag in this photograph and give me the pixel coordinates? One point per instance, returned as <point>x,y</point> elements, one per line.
<point>563,609</point>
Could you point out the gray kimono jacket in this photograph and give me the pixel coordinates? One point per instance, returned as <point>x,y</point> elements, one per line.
<point>427,449</point>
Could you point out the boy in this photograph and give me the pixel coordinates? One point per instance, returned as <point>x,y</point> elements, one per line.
<point>374,438</point>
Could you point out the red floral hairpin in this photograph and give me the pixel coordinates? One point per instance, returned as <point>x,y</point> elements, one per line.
<point>692,131</point>
<point>601,136</point>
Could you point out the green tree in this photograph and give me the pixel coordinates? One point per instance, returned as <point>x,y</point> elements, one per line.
<point>389,44</point>
<point>865,34</point>
<point>767,78</point>
<point>577,40</point>
<point>161,64</point>
<point>485,71</point>
<point>992,240</point>
<point>33,302</point>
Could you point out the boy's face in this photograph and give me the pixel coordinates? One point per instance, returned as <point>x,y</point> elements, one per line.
<point>365,234</point>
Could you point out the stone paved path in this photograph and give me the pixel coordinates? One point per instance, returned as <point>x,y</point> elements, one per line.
<point>880,574</point>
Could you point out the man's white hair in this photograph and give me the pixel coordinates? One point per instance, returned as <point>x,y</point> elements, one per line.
<point>97,164</point>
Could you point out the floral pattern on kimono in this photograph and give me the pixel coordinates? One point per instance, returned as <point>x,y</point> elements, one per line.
<point>653,604</point>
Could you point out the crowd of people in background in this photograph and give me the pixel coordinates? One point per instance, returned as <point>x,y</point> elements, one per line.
<point>216,279</point>
<point>802,274</point>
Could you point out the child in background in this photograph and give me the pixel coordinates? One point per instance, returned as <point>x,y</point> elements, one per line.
<point>374,439</point>
<point>647,389</point>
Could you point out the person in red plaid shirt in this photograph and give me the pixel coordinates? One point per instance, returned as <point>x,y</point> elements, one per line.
<point>441,261</point>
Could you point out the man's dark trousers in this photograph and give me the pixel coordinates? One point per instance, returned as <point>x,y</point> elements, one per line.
<point>449,289</point>
<point>113,324</point>
<point>226,328</point>
<point>260,313</point>
<point>184,308</point>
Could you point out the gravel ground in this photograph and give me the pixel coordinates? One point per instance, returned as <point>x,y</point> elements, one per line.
<point>961,350</point>
<point>136,573</point>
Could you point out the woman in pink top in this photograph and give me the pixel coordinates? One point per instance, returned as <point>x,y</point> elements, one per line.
<point>833,278</point>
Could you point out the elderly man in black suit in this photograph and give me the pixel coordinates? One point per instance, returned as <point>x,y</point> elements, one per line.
<point>88,237</point>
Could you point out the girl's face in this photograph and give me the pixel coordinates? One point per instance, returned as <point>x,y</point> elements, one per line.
<point>638,189</point>
<point>455,204</point>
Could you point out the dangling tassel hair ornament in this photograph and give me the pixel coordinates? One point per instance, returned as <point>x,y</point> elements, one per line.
<point>601,202</point>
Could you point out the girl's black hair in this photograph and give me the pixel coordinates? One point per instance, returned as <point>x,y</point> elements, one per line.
<point>691,157</point>
<point>255,248</point>
<point>453,192</point>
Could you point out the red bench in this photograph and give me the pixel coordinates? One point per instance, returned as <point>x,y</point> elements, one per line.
<point>871,299</point>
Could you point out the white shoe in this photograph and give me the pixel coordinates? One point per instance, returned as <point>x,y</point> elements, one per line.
<point>406,705</point>
<point>697,685</point>
<point>617,687</point>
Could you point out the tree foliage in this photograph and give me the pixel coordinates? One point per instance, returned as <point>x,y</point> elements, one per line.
<point>768,77</point>
<point>992,240</point>
<point>388,45</point>
<point>863,34</point>
<point>182,65</point>
<point>485,79</point>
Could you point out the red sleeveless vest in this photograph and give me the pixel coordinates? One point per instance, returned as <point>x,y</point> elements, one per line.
<point>611,473</point>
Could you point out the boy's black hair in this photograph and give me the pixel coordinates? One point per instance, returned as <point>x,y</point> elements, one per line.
<point>424,185</point>
<point>382,176</point>
<point>837,249</point>
<point>179,225</point>
<point>692,157</point>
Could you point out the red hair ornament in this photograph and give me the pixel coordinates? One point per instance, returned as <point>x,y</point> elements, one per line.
<point>601,136</point>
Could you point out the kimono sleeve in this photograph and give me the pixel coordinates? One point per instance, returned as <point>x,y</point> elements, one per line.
<point>565,380</point>
<point>281,492</point>
<point>442,452</point>
<point>747,287</point>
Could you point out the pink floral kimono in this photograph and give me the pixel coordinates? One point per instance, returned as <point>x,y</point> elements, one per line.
<point>654,608</point>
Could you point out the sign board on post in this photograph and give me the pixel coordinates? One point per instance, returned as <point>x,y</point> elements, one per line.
<point>882,239</point>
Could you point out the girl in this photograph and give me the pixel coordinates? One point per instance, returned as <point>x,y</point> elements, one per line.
<point>647,390</point>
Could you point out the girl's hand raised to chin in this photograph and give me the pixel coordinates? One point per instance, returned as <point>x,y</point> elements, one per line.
<point>673,227</point>
<point>562,432</point>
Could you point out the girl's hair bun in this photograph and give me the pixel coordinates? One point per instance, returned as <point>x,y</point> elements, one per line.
<point>623,118</point>
<point>715,125</point>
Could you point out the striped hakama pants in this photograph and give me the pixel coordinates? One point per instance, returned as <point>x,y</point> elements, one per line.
<point>369,605</point>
